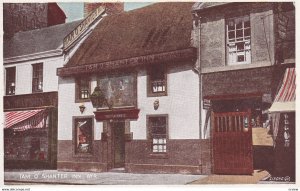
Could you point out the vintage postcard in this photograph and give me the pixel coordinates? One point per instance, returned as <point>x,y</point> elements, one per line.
<point>149,93</point>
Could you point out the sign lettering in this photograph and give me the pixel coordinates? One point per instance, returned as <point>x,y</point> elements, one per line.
<point>178,55</point>
<point>82,27</point>
<point>117,114</point>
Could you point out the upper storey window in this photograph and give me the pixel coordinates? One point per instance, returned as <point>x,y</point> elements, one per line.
<point>10,80</point>
<point>157,81</point>
<point>82,89</point>
<point>37,77</point>
<point>238,40</point>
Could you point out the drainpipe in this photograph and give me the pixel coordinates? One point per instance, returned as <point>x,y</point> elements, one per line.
<point>197,33</point>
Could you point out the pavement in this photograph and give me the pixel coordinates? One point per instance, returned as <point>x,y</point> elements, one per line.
<point>255,178</point>
<point>90,178</point>
<point>121,178</point>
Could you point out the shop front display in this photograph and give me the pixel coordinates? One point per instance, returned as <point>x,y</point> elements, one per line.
<point>29,134</point>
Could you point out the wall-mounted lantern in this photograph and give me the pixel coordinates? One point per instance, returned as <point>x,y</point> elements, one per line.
<point>82,108</point>
<point>98,98</point>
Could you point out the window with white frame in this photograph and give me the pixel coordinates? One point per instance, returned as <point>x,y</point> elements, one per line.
<point>82,89</point>
<point>157,81</point>
<point>157,128</point>
<point>37,77</point>
<point>238,40</point>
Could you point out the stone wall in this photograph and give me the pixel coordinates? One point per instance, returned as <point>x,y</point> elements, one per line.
<point>213,33</point>
<point>29,16</point>
<point>183,156</point>
<point>24,16</point>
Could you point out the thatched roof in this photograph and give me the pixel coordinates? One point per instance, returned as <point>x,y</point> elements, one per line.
<point>157,28</point>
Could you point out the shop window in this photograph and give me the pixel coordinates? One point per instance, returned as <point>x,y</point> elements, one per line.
<point>37,77</point>
<point>238,40</point>
<point>82,89</point>
<point>157,81</point>
<point>27,145</point>
<point>10,80</point>
<point>157,133</point>
<point>83,138</point>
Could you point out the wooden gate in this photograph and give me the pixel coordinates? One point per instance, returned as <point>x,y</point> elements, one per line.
<point>232,143</point>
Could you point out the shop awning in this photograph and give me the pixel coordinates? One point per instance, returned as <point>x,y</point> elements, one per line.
<point>283,107</point>
<point>285,98</point>
<point>23,120</point>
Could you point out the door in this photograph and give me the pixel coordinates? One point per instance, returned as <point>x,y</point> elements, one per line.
<point>119,144</point>
<point>232,143</point>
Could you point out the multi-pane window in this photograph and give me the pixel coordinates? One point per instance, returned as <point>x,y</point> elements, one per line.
<point>238,40</point>
<point>83,135</point>
<point>82,89</point>
<point>10,80</point>
<point>157,127</point>
<point>37,77</point>
<point>157,81</point>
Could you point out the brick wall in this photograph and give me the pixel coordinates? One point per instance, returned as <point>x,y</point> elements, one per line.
<point>111,8</point>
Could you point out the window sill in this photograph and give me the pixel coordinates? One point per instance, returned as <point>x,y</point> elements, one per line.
<point>157,94</point>
<point>82,100</point>
<point>87,155</point>
<point>159,155</point>
<point>235,67</point>
<point>40,91</point>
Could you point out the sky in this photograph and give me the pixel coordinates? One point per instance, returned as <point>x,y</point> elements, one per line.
<point>74,11</point>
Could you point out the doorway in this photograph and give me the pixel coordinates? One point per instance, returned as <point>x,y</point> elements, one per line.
<point>118,144</point>
<point>232,143</point>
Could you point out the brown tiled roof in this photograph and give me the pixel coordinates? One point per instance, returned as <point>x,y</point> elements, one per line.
<point>157,28</point>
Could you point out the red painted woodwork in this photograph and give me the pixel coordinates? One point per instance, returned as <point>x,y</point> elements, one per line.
<point>232,143</point>
<point>131,113</point>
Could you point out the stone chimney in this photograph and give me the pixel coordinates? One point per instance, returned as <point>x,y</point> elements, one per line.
<point>111,8</point>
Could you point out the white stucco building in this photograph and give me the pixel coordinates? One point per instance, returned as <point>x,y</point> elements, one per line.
<point>130,96</point>
<point>31,59</point>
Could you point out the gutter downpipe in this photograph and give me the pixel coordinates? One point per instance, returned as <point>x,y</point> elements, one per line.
<point>197,25</point>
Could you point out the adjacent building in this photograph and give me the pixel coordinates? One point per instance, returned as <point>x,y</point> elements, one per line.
<point>243,49</point>
<point>168,88</point>
<point>30,101</point>
<point>30,16</point>
<point>130,96</point>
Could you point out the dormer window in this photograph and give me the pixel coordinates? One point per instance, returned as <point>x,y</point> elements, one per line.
<point>238,40</point>
<point>157,81</point>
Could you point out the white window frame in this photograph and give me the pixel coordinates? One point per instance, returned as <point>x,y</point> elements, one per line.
<point>158,141</point>
<point>238,48</point>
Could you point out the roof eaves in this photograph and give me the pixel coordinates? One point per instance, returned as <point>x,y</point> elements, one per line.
<point>34,56</point>
<point>202,7</point>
